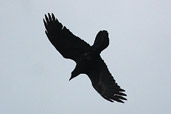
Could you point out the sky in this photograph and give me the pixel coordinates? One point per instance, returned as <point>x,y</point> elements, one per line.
<point>34,77</point>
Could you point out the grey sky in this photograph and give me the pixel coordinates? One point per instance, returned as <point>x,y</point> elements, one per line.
<point>34,76</point>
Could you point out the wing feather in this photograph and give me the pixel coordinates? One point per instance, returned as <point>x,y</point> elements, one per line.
<point>69,45</point>
<point>105,85</point>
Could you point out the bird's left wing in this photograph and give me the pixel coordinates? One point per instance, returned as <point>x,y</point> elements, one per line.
<point>105,85</point>
<point>69,45</point>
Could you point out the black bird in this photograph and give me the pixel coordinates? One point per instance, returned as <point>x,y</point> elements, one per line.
<point>87,58</point>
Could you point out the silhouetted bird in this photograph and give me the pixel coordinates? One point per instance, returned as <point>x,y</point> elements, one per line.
<point>87,58</point>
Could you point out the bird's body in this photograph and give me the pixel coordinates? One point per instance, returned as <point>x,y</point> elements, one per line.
<point>87,58</point>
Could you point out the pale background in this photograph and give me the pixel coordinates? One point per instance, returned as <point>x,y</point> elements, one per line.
<point>34,76</point>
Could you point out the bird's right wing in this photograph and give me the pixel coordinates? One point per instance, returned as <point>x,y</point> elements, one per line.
<point>105,85</point>
<point>69,45</point>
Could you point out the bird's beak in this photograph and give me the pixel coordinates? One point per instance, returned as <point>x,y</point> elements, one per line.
<point>72,76</point>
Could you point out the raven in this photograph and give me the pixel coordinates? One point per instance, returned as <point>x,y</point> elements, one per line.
<point>87,58</point>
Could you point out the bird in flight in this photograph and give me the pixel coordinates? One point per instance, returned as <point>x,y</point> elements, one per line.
<point>87,58</point>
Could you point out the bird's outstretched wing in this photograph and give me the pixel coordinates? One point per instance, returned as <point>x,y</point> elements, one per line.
<point>105,85</point>
<point>69,45</point>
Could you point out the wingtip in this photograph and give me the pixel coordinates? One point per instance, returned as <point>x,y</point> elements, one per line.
<point>44,21</point>
<point>46,17</point>
<point>50,17</point>
<point>120,101</point>
<point>122,94</point>
<point>48,14</point>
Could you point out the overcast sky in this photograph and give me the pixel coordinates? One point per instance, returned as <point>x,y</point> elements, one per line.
<point>34,76</point>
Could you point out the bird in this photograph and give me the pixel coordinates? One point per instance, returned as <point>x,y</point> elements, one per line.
<point>87,58</point>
